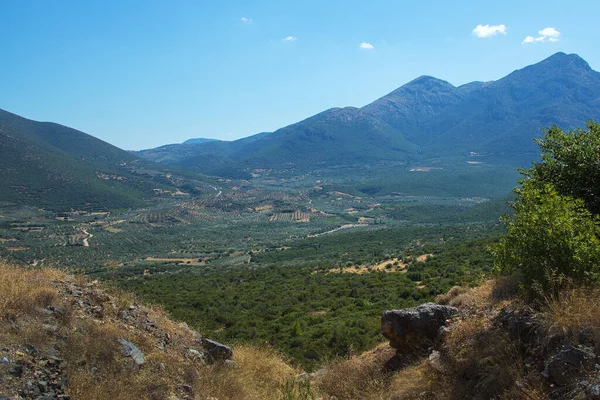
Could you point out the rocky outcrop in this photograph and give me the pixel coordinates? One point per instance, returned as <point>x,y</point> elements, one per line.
<point>413,330</point>
<point>215,351</point>
<point>132,338</point>
<point>415,327</point>
<point>569,364</point>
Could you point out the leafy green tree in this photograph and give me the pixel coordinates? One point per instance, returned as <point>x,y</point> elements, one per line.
<point>549,236</point>
<point>571,162</point>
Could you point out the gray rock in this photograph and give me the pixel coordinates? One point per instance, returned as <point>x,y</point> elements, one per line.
<point>436,362</point>
<point>216,351</point>
<point>195,355</point>
<point>593,391</point>
<point>417,327</point>
<point>17,370</point>
<point>568,365</point>
<point>131,350</point>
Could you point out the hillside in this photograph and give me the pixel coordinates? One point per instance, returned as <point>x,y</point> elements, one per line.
<point>56,167</point>
<point>427,118</point>
<point>64,337</point>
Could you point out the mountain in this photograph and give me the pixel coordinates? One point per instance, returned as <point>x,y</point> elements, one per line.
<point>427,118</point>
<point>49,165</point>
<point>198,141</point>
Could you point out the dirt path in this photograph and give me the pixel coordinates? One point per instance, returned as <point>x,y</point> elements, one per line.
<point>347,226</point>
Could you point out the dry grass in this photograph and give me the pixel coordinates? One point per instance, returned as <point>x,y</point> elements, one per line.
<point>24,291</point>
<point>417,382</point>
<point>489,295</point>
<point>359,377</point>
<point>262,368</point>
<point>573,310</point>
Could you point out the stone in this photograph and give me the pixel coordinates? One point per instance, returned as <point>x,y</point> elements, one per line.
<point>569,364</point>
<point>520,324</point>
<point>216,351</point>
<point>415,328</point>
<point>17,370</point>
<point>131,350</point>
<point>195,355</point>
<point>436,362</point>
<point>187,388</point>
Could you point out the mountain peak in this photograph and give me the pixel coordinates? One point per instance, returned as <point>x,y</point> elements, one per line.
<point>428,82</point>
<point>563,60</point>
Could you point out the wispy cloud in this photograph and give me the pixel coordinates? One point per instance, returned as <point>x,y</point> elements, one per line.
<point>246,20</point>
<point>366,46</point>
<point>484,31</point>
<point>550,34</point>
<point>289,39</point>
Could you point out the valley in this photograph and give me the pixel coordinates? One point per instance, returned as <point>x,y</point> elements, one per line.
<point>300,238</point>
<point>242,260</point>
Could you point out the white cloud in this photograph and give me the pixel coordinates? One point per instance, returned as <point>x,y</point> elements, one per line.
<point>366,46</point>
<point>483,31</point>
<point>246,20</point>
<point>289,39</point>
<point>550,34</point>
<point>528,39</point>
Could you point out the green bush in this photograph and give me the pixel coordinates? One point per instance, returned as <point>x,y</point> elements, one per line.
<point>550,236</point>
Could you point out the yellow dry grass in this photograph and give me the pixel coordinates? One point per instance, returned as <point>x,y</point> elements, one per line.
<point>391,265</point>
<point>361,377</point>
<point>25,290</point>
<point>573,311</point>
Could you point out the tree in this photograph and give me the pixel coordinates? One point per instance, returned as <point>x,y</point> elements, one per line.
<point>549,236</point>
<point>554,232</point>
<point>571,162</point>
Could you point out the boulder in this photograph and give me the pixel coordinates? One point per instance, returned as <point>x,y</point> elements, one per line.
<point>216,351</point>
<point>415,328</point>
<point>129,349</point>
<point>568,365</point>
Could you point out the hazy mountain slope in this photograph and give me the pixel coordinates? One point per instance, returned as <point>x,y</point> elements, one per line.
<point>415,105</point>
<point>339,136</point>
<point>53,166</point>
<point>502,117</point>
<point>71,141</point>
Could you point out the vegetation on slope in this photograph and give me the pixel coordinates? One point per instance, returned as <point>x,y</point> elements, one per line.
<point>553,236</point>
<point>60,334</point>
<point>314,308</point>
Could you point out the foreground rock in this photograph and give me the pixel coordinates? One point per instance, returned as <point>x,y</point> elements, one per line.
<point>216,352</point>
<point>412,330</point>
<point>131,350</point>
<point>415,327</point>
<point>568,365</point>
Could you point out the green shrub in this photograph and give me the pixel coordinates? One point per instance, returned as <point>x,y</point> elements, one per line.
<point>550,237</point>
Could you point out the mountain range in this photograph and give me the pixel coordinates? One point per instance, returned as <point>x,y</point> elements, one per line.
<point>425,121</point>
<point>427,118</point>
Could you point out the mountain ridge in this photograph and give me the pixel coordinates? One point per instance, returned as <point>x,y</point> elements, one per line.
<point>425,118</point>
<point>49,165</point>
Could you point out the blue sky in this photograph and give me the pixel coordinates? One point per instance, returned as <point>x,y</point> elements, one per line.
<point>140,74</point>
